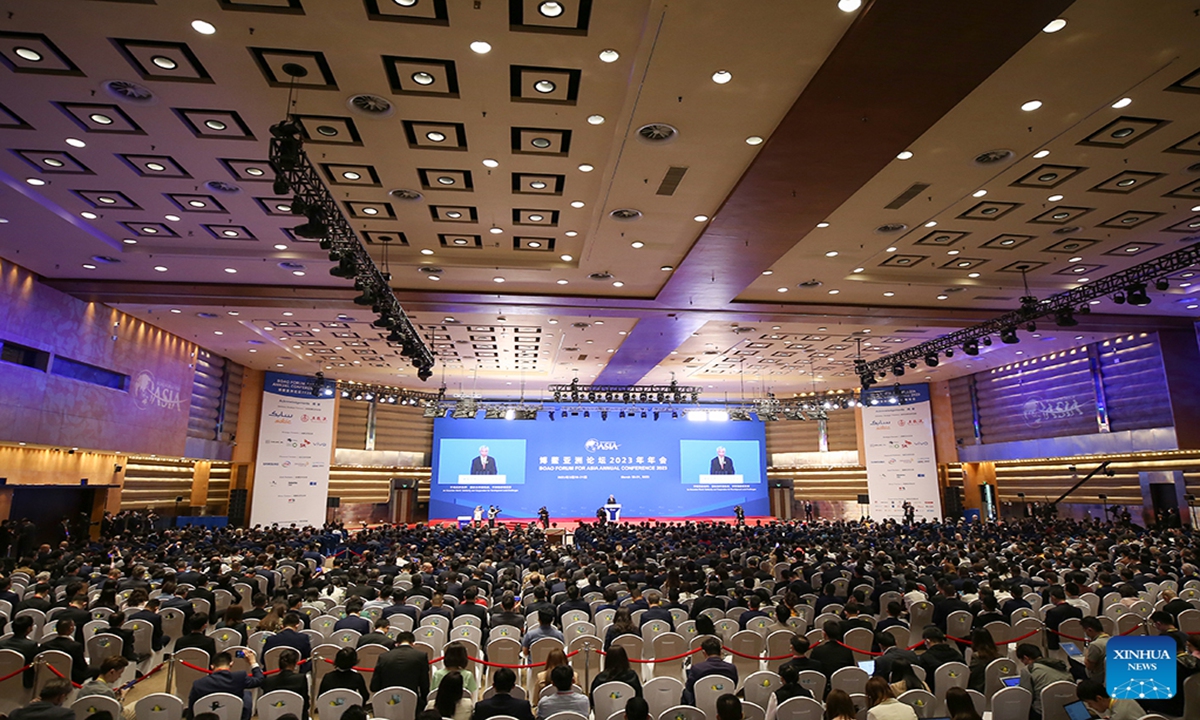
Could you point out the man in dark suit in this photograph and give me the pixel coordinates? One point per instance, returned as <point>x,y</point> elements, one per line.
<point>194,637</point>
<point>290,636</point>
<point>711,665</point>
<point>721,465</point>
<point>400,607</point>
<point>800,659</point>
<point>508,614</point>
<point>352,621</point>
<point>377,636</point>
<point>21,643</point>
<point>147,611</point>
<point>1060,611</point>
<point>830,654</point>
<point>224,680</point>
<point>938,652</point>
<point>655,611</point>
<point>708,600</point>
<point>64,641</point>
<point>483,465</point>
<point>470,606</point>
<point>754,602</point>
<point>502,702</point>
<point>404,666</point>
<point>76,612</point>
<point>287,678</point>
<point>891,653</point>
<point>49,705</point>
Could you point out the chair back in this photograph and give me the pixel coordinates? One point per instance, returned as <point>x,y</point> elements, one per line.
<point>584,662</point>
<point>42,674</point>
<point>143,636</point>
<point>920,614</point>
<point>669,645</point>
<point>726,629</point>
<point>1055,697</point>
<point>921,701</point>
<point>779,645</point>
<point>402,621</point>
<point>746,642</point>
<point>320,668</point>
<point>12,691</point>
<point>662,693</point>
<point>331,704</point>
<point>610,698</point>
<point>948,675</point>
<point>750,711</point>
<point>345,638</point>
<point>103,646</point>
<point>1191,697</point>
<point>632,643</point>
<point>93,627</point>
<point>860,639</point>
<point>158,706</point>
<point>395,703</point>
<point>677,712</point>
<point>708,689</point>
<point>504,650</point>
<point>813,681</point>
<point>799,708</point>
<point>849,679</point>
<point>995,672</point>
<point>226,706</point>
<point>759,686</point>
<point>958,624</point>
<point>1011,703</point>
<point>270,706</point>
<point>89,705</point>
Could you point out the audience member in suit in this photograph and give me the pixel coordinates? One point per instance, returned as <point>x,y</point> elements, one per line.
<point>128,651</point>
<point>470,606</point>
<point>508,614</point>
<point>655,610</point>
<point>224,680</point>
<point>288,678</point>
<point>77,612</point>
<point>708,600</point>
<point>344,676</point>
<point>194,637</point>
<point>712,664</point>
<point>49,705</point>
<point>1061,610</point>
<point>64,641</point>
<point>800,661</point>
<point>938,652</point>
<point>891,653</point>
<point>21,643</point>
<point>290,636</point>
<point>352,621</point>
<point>141,608</point>
<point>403,666</point>
<point>502,702</point>
<point>399,607</point>
<point>754,603</point>
<point>830,654</point>
<point>377,636</point>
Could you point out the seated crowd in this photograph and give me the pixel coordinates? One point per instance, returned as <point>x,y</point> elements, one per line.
<point>1011,620</point>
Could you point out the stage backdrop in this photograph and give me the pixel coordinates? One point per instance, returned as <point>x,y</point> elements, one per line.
<point>658,469</point>
<point>901,464</point>
<point>291,479</point>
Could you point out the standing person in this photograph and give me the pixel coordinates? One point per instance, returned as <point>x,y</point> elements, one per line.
<point>544,517</point>
<point>739,514</point>
<point>909,512</point>
<point>808,511</point>
<point>223,680</point>
<point>405,666</point>
<point>484,464</point>
<point>477,516</point>
<point>493,511</point>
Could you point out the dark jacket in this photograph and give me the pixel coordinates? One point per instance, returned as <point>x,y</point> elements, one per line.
<point>354,622</point>
<point>288,680</point>
<point>344,680</point>
<point>403,666</point>
<point>629,677</point>
<point>224,681</point>
<point>197,640</point>
<point>1055,617</point>
<point>501,704</point>
<point>42,710</point>
<point>936,656</point>
<point>79,666</point>
<point>833,657</point>
<point>290,638</point>
<point>709,666</point>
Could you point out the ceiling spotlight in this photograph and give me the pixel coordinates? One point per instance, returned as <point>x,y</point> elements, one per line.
<point>203,27</point>
<point>849,5</point>
<point>1136,294</point>
<point>595,119</point>
<point>481,47</point>
<point>931,360</point>
<point>1065,318</point>
<point>565,258</point>
<point>754,140</point>
<point>1123,102</point>
<point>488,162</point>
<point>586,167</point>
<point>551,9</point>
<point>609,55</point>
<point>971,347</point>
<point>1161,284</point>
<point>1041,154</point>
<point>701,218</point>
<point>898,369</point>
<point>76,143</point>
<point>1119,298</point>
<point>1031,105</point>
<point>1008,336</point>
<point>904,155</point>
<point>544,86</point>
<point>721,77</point>
<point>1054,25</point>
<point>979,193</point>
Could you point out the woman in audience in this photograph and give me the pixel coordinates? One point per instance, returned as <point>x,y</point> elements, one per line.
<point>622,625</point>
<point>344,676</point>
<point>959,705</point>
<point>637,709</point>
<point>232,620</point>
<point>449,700</point>
<point>273,621</point>
<point>839,706</point>
<point>554,658</point>
<point>791,687</point>
<point>904,678</point>
<point>455,659</point>
<point>983,651</point>
<point>883,703</point>
<point>616,669</point>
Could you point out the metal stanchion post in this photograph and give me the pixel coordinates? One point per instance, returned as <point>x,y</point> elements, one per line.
<point>170,671</point>
<point>587,665</point>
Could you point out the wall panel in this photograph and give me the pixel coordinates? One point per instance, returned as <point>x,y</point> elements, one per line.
<point>352,424</point>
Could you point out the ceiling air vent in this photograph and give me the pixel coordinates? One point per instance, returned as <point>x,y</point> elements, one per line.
<point>600,276</point>
<point>1192,168</point>
<point>371,105</point>
<point>671,180</point>
<point>625,214</point>
<point>581,325</point>
<point>809,284</point>
<point>430,270</point>
<point>129,91</point>
<point>743,329</point>
<point>403,194</point>
<point>657,132</point>
<point>991,157</point>
<point>903,198</point>
<point>1001,298</point>
<point>291,266</point>
<point>105,259</point>
<point>1070,229</point>
<point>891,228</point>
<point>221,186</point>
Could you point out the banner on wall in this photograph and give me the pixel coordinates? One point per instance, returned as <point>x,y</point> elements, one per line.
<point>295,437</point>
<point>901,464</point>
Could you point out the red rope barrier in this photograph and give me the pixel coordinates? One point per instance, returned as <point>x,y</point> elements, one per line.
<point>64,677</point>
<point>135,681</point>
<point>15,673</point>
<point>1064,635</point>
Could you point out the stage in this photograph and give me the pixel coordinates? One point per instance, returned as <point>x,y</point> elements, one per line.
<point>571,523</point>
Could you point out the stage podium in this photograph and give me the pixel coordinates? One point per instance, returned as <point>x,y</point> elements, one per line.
<point>612,512</point>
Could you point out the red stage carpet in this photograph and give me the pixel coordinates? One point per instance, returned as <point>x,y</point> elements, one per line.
<point>572,523</point>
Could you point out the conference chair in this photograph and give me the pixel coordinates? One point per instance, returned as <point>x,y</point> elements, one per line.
<point>1012,703</point>
<point>1055,697</point>
<point>42,673</point>
<point>12,691</point>
<point>610,698</point>
<point>779,645</point>
<point>323,624</point>
<point>922,702</point>
<point>272,705</point>
<point>1131,624</point>
<point>994,673</point>
<point>158,706</point>
<point>849,680</point>
<point>726,629</point>
<point>652,629</point>
<point>401,621</point>
<point>225,705</point>
<point>585,662</point>
<point>679,712</point>
<point>889,597</point>
<point>89,705</point>
<point>661,693</point>
<point>517,692</point>
<point>799,708</point>
<point>433,636</point>
<point>396,703</point>
<point>632,643</point>
<point>753,711</point>
<point>566,716</point>
<point>331,704</point>
<point>669,645</point>
<point>920,615</point>
<point>746,642</point>
<point>759,686</point>
<point>958,624</point>
<point>948,675</point>
<point>708,689</point>
<point>860,639</point>
<point>222,599</point>
<point>101,646</point>
<point>1191,697</point>
<point>471,633</point>
<point>505,650</point>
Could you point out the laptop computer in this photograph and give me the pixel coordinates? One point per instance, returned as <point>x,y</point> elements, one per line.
<point>868,666</point>
<point>1077,711</point>
<point>1011,681</point>
<point>1071,649</point>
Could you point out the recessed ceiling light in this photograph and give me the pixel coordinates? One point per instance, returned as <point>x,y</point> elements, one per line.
<point>1123,102</point>
<point>942,297</point>
<point>129,241</point>
<point>215,125</point>
<point>229,233</point>
<point>595,119</point>
<point>891,249</point>
<point>28,54</point>
<point>460,241</point>
<point>482,47</point>
<point>822,224</point>
<point>89,266</point>
<point>560,282</point>
<point>618,283</point>
<point>888,294</point>
<point>160,268</point>
<point>849,5</point>
<point>952,252</point>
<point>570,233</point>
<point>88,215</point>
<point>721,77</point>
<point>197,203</point>
<point>905,155</point>
<point>454,214</point>
<point>551,9</point>
<point>1054,198</point>
<point>754,140</point>
<point>834,292</point>
<point>1031,105</point>
<point>76,143</point>
<point>203,27</point>
<point>426,251</point>
<point>176,311</point>
<point>565,258</point>
<point>973,275</point>
<point>164,62</point>
<point>637,244</point>
<point>667,268</point>
<point>445,180</point>
<point>172,218</point>
<point>858,270</point>
<point>36,182</point>
<point>979,193</point>
<point>534,244</point>
<point>370,211</point>
<point>488,162</point>
<point>931,223</point>
<point>231,271</point>
<point>351,175</point>
<point>831,253</point>
<point>495,230</point>
<point>536,218</point>
<point>537,185</point>
<point>586,167</point>
<point>422,78</point>
<point>1054,25</point>
<point>701,218</point>
<point>609,55</point>
<point>544,86</point>
<point>768,272</point>
<point>281,246</point>
<point>434,136</point>
<point>577,204</point>
<point>1082,280</point>
<point>100,119</point>
<point>1041,154</point>
<point>298,273</point>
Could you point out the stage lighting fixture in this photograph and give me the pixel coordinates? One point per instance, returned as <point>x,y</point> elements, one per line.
<point>656,416</point>
<point>603,414</point>
<point>622,414</point>
<point>1136,294</point>
<point>898,369</point>
<point>1008,336</point>
<point>971,347</point>
<point>346,268</point>
<point>384,322</point>
<point>1065,318</point>
<point>1031,326</point>
<point>1161,284</point>
<point>675,414</point>
<point>1119,298</point>
<point>358,396</point>
<point>987,341</point>
<point>931,360</point>
<point>949,352</point>
<point>281,185</point>
<point>1084,310</point>
<point>314,229</point>
<point>431,411</point>
<point>366,299</point>
<point>345,393</point>
<point>587,413</point>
